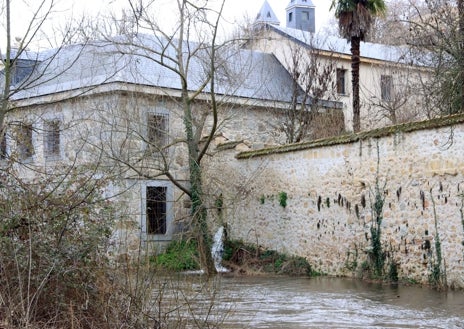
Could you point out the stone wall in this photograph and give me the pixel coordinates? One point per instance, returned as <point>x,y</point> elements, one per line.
<point>330,187</point>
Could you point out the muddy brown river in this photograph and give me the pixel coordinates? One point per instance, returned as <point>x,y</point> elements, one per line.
<point>290,303</point>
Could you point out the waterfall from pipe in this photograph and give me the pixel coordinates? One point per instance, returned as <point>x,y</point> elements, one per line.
<point>218,249</point>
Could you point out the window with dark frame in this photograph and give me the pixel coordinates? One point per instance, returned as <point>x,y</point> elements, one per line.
<point>52,139</point>
<point>24,141</point>
<point>386,88</point>
<point>290,17</point>
<point>157,132</point>
<point>156,209</point>
<point>341,81</point>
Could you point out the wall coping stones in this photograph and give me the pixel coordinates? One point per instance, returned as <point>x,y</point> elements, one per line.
<point>408,127</point>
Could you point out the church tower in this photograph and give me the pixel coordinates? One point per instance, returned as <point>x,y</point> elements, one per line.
<point>266,15</point>
<point>301,15</point>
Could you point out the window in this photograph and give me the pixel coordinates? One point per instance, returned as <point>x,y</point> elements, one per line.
<point>290,16</point>
<point>3,147</point>
<point>24,141</point>
<point>386,87</point>
<point>305,15</point>
<point>21,70</point>
<point>157,132</point>
<point>156,209</point>
<point>341,81</point>
<point>52,139</point>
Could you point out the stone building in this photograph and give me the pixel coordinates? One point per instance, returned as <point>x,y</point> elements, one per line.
<point>116,107</point>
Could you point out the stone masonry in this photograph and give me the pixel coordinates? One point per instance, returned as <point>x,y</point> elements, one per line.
<point>330,188</point>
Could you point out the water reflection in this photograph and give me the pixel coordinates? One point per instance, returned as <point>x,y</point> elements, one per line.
<point>282,302</point>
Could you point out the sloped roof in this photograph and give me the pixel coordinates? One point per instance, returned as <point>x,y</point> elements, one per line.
<point>267,15</point>
<point>369,50</point>
<point>241,73</point>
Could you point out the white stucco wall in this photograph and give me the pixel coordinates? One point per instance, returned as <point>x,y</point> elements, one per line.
<point>406,99</point>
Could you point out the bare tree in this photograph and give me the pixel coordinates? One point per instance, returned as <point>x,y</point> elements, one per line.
<point>56,222</point>
<point>392,28</point>
<point>398,97</point>
<point>187,57</point>
<point>19,62</point>
<point>312,115</point>
<point>437,33</point>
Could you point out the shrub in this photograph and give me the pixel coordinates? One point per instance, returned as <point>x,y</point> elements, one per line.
<point>179,256</point>
<point>251,257</point>
<point>54,234</point>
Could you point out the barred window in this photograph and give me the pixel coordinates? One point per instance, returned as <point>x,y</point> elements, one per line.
<point>157,132</point>
<point>386,87</point>
<point>341,81</point>
<point>52,137</point>
<point>25,146</point>
<point>156,206</point>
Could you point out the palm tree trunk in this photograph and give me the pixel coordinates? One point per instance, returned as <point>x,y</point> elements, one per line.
<point>355,60</point>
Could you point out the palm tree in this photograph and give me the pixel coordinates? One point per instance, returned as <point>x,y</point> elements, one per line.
<point>354,22</point>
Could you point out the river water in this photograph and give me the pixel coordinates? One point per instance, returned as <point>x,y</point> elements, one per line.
<point>287,302</point>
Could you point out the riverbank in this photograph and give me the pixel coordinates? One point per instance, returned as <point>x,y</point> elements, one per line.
<point>247,259</point>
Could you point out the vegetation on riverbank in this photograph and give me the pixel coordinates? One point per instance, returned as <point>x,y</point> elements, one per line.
<point>239,257</point>
<point>245,258</point>
<point>179,256</point>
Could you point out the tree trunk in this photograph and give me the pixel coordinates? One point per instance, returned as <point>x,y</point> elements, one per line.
<point>355,60</point>
<point>4,102</point>
<point>461,55</point>
<point>198,210</point>
<point>200,220</point>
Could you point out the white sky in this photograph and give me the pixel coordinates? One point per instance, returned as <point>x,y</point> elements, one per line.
<point>235,11</point>
<point>238,9</point>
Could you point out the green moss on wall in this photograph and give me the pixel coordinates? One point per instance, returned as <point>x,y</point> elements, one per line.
<point>352,138</point>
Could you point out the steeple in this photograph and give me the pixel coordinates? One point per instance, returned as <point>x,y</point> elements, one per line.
<point>301,15</point>
<point>266,15</point>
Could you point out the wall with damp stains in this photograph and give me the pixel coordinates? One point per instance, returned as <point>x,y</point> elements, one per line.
<point>330,192</point>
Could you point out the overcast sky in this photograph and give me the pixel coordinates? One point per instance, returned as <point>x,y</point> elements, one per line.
<point>235,11</point>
